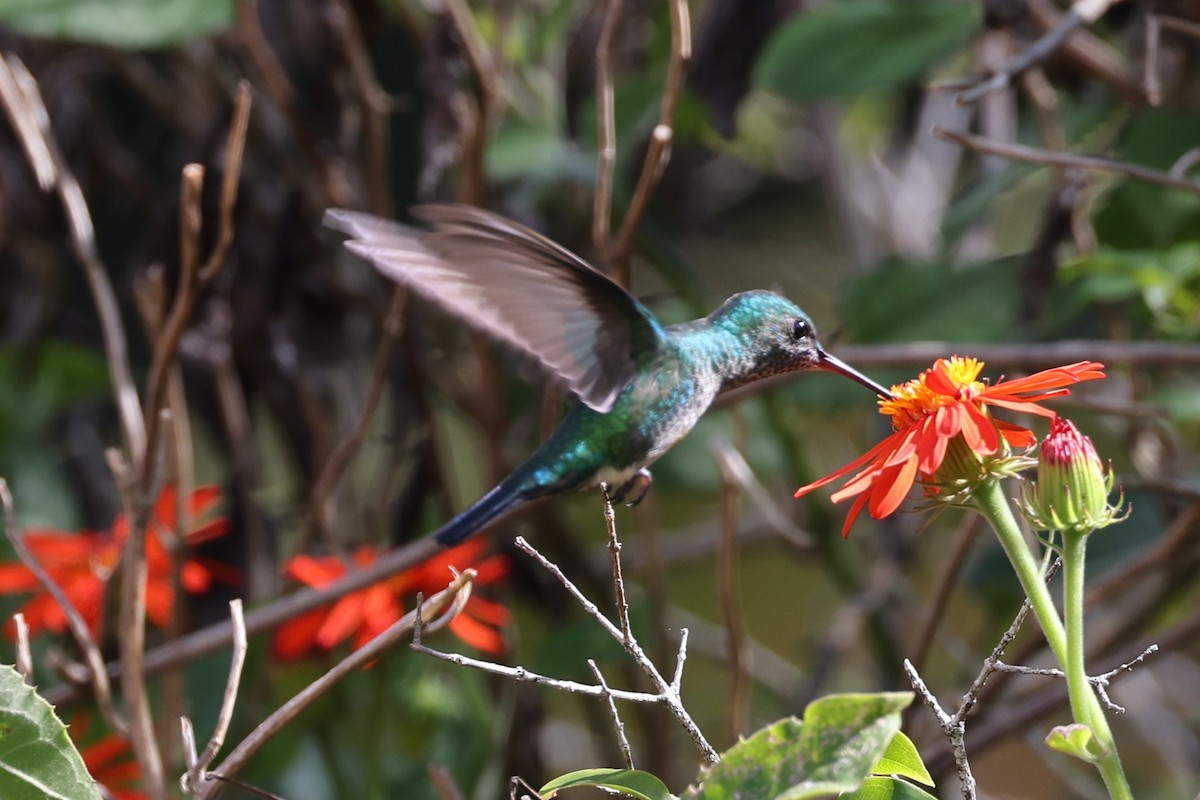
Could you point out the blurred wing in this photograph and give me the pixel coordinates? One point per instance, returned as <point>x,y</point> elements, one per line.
<point>517,285</point>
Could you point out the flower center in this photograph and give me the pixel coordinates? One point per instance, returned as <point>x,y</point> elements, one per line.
<point>949,380</point>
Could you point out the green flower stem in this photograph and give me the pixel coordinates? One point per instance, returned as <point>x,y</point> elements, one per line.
<point>1084,703</point>
<point>1066,641</point>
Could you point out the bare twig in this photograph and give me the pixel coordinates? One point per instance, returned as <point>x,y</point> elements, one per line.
<point>614,552</point>
<point>75,622</point>
<point>197,766</point>
<point>945,588</point>
<point>443,782</point>
<point>1099,682</point>
<point>667,693</point>
<point>488,100</point>
<point>1032,155</point>
<point>606,133</point>
<point>618,725</point>
<point>24,663</point>
<point>658,151</point>
<point>269,727</point>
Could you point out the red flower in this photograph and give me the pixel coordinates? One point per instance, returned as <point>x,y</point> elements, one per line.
<point>81,564</point>
<point>368,612</point>
<point>109,761</point>
<point>944,402</point>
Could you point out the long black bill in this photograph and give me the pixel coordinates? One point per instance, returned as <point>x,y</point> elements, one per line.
<point>828,362</point>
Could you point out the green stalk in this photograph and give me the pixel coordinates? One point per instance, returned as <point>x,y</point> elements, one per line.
<point>1066,641</point>
<point>1085,706</point>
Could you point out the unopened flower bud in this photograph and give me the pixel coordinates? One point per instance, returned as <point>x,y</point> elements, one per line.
<point>1072,488</point>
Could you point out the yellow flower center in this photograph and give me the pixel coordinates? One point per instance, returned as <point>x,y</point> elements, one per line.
<point>914,400</point>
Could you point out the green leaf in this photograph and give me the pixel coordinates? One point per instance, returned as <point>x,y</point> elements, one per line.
<point>37,759</point>
<point>903,759</point>
<point>832,750</point>
<point>854,46</point>
<point>1075,740</point>
<point>119,23</point>
<point>632,782</point>
<point>887,789</point>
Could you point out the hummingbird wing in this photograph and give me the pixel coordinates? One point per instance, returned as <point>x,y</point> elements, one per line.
<point>517,285</point>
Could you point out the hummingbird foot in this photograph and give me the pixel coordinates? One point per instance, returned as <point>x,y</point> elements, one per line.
<point>635,488</point>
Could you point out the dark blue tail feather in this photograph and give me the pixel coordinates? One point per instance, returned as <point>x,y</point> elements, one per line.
<point>509,494</point>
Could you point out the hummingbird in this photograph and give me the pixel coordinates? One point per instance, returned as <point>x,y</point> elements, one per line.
<point>641,386</point>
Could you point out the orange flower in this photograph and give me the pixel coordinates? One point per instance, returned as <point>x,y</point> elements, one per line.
<point>944,402</point>
<point>81,564</point>
<point>368,612</point>
<point>109,761</point>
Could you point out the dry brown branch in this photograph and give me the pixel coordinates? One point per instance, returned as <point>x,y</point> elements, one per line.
<point>727,592</point>
<point>24,659</point>
<point>1032,155</point>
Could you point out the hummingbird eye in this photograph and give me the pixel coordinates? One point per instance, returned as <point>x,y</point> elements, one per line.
<point>801,329</point>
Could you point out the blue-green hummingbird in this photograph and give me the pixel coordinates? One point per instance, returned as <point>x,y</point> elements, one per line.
<point>641,385</point>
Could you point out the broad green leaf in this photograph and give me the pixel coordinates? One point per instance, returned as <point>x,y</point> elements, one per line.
<point>903,759</point>
<point>1075,740</point>
<point>887,789</point>
<point>119,23</point>
<point>853,46</point>
<point>37,759</point>
<point>832,750</point>
<point>632,782</point>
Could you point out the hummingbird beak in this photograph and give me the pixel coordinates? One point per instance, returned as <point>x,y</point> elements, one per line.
<point>831,364</point>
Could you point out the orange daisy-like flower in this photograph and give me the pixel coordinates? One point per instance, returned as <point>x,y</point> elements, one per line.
<point>81,564</point>
<point>368,612</point>
<point>928,413</point>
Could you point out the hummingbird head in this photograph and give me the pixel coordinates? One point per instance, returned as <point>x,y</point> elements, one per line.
<point>775,336</point>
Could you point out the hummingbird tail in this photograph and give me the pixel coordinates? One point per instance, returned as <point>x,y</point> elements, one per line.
<point>507,495</point>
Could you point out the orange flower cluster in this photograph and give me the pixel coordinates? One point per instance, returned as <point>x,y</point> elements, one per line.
<point>944,402</point>
<point>81,564</point>
<point>364,614</point>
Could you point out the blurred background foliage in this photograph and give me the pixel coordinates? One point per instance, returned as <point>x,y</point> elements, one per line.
<point>803,159</point>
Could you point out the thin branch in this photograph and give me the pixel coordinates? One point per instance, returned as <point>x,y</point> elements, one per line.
<point>658,152</point>
<point>618,725</point>
<point>668,693</point>
<point>24,663</point>
<point>606,133</point>
<point>1099,682</point>
<point>1033,155</point>
<point>1082,12</point>
<point>75,622</point>
<point>197,766</point>
<point>614,552</point>
<point>372,650</point>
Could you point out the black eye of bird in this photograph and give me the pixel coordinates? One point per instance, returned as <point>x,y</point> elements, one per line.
<point>801,329</point>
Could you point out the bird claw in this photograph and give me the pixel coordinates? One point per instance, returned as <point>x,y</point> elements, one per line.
<point>635,488</point>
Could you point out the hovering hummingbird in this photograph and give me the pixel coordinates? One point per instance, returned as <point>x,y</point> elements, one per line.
<point>641,386</point>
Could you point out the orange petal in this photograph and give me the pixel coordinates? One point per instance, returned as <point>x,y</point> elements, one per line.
<point>345,616</point>
<point>487,611</point>
<point>891,488</point>
<point>855,510</point>
<point>315,572</point>
<point>476,634</point>
<point>298,635</point>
